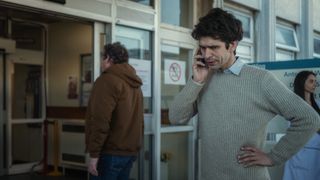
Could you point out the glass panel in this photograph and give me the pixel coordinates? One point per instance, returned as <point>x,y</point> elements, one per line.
<point>245,25</point>
<point>316,45</point>
<point>282,55</point>
<point>177,12</point>
<point>27,92</point>
<point>145,2</point>
<point>285,36</point>
<point>144,161</point>
<point>244,50</point>
<point>27,143</point>
<point>86,78</point>
<point>138,43</point>
<point>174,156</point>
<point>245,20</point>
<point>174,74</point>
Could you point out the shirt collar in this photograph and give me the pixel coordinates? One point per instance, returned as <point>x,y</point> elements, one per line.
<point>235,68</point>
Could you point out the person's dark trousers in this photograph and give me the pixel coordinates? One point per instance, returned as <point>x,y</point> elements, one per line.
<point>112,167</point>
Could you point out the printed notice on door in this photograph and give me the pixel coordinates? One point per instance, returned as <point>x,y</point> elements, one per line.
<point>143,69</point>
<point>174,72</point>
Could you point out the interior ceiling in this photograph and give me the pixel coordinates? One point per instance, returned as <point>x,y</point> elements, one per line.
<point>33,15</point>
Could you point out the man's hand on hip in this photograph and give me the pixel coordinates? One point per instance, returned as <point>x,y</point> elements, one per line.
<point>251,156</point>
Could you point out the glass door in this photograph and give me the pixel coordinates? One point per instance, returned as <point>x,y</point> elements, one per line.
<point>178,143</point>
<point>2,157</point>
<point>25,116</point>
<point>138,43</point>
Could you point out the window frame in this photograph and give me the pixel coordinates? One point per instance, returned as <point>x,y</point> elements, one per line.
<point>316,36</point>
<point>246,41</point>
<point>294,33</point>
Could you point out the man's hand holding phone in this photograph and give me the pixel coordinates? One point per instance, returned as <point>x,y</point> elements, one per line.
<point>199,67</point>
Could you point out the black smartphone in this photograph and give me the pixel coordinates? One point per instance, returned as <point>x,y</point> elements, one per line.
<point>202,58</point>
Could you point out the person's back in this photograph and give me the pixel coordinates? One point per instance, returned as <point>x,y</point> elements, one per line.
<point>114,123</point>
<point>124,103</point>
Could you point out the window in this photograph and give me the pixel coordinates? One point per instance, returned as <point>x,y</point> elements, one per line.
<point>284,55</point>
<point>138,44</point>
<point>316,45</point>
<point>144,2</point>
<point>245,48</point>
<point>174,74</point>
<point>286,42</point>
<point>177,12</point>
<point>247,23</point>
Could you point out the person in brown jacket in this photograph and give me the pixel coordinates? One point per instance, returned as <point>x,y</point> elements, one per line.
<point>114,123</point>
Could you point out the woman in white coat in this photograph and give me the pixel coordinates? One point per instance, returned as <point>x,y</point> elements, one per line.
<point>306,163</point>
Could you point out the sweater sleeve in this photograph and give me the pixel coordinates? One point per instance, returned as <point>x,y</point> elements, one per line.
<point>103,101</point>
<point>183,106</point>
<point>304,120</point>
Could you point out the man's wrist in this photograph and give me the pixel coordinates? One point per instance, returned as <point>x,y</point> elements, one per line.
<point>197,81</point>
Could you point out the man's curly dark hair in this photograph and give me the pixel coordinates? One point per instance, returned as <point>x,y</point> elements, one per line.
<point>219,24</point>
<point>117,52</point>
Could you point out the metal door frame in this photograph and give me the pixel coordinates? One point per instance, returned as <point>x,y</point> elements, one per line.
<point>2,110</point>
<point>26,167</point>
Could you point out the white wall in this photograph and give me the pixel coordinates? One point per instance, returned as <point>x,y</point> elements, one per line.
<point>67,41</point>
<point>289,10</point>
<point>316,15</point>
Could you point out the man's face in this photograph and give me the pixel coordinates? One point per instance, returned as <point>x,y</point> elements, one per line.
<point>216,55</point>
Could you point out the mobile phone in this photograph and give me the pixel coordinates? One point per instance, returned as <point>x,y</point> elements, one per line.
<point>202,59</point>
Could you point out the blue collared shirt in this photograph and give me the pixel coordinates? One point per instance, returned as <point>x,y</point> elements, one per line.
<point>235,68</point>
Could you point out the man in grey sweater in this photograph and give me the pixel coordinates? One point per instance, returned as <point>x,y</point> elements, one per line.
<point>234,103</point>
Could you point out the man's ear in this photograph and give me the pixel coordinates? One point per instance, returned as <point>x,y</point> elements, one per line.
<point>234,45</point>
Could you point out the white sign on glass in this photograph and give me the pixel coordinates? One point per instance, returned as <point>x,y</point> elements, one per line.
<point>174,72</point>
<point>143,69</point>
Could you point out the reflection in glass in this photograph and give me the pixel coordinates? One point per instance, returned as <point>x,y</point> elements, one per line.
<point>26,143</point>
<point>174,156</point>
<point>138,44</point>
<point>27,91</point>
<point>177,12</point>
<point>172,54</point>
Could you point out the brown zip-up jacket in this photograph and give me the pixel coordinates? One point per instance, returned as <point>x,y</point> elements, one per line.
<point>114,121</point>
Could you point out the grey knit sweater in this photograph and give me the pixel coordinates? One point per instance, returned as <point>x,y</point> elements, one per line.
<point>234,111</point>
